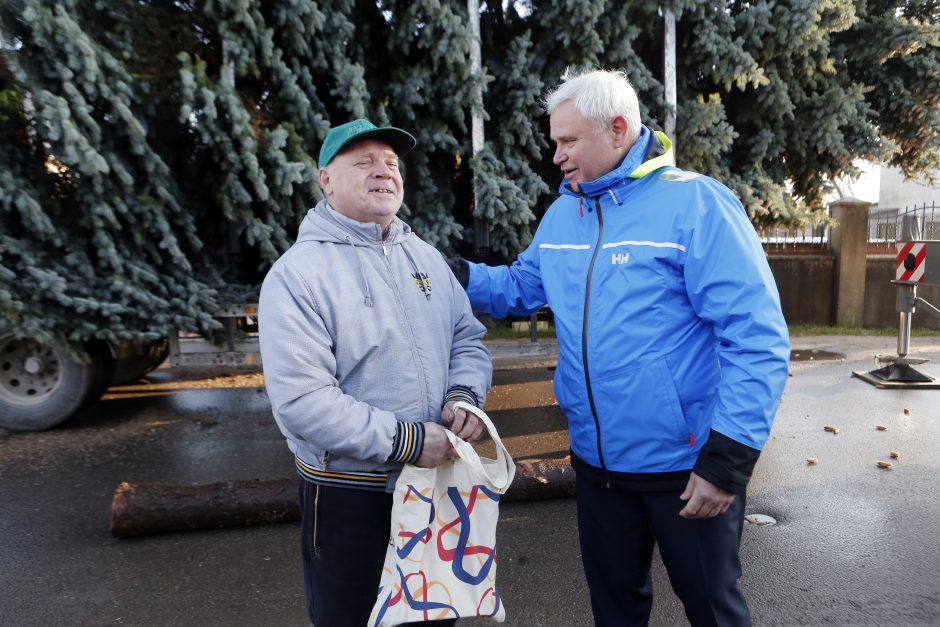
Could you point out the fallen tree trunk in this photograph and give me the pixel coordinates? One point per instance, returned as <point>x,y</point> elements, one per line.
<point>147,508</point>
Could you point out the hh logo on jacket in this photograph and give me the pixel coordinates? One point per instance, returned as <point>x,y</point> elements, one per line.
<point>618,258</point>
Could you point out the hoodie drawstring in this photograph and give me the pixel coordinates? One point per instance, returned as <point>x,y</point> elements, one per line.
<point>362,273</point>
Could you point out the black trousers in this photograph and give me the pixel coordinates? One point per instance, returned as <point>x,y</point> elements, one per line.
<point>618,530</point>
<point>344,536</point>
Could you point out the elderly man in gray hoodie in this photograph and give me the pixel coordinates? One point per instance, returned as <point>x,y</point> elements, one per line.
<point>367,341</point>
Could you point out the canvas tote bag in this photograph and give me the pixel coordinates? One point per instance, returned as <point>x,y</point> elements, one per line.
<point>441,558</point>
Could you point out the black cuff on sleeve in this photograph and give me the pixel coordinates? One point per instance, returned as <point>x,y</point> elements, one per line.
<point>461,270</point>
<point>726,463</point>
<point>408,443</point>
<point>461,393</point>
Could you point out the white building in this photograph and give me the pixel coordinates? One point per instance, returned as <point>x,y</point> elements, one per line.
<point>896,192</point>
<point>898,195</point>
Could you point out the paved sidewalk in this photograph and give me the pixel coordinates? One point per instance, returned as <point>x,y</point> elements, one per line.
<point>854,544</point>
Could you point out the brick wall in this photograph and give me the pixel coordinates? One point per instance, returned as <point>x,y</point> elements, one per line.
<point>806,290</point>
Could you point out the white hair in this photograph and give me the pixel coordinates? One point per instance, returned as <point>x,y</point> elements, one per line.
<point>599,96</point>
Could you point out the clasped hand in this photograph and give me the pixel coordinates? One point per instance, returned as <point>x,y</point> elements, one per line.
<point>465,424</point>
<point>437,448</point>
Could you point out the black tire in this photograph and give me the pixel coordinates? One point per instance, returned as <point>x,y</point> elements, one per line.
<point>40,386</point>
<point>130,368</point>
<point>102,373</point>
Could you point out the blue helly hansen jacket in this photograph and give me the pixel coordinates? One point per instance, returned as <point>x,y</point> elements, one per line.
<point>673,348</point>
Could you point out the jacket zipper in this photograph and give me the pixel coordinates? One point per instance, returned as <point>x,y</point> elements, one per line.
<point>401,304</point>
<point>584,336</point>
<point>378,236</point>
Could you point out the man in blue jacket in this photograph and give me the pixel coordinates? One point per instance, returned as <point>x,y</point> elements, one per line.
<point>673,352</point>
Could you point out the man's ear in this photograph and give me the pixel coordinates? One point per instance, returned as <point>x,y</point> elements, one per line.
<point>325,180</point>
<point>619,128</point>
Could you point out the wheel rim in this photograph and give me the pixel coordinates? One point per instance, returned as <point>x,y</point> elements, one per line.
<point>30,372</point>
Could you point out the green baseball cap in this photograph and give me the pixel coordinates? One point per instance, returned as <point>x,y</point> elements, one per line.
<point>344,134</point>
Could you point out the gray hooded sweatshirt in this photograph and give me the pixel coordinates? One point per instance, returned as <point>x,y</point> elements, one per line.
<point>361,338</point>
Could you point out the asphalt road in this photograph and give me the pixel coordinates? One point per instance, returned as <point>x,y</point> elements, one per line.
<point>853,545</point>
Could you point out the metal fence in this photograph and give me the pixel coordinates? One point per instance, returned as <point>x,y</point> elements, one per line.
<point>884,226</point>
<point>810,239</point>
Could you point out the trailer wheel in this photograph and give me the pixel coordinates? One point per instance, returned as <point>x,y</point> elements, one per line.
<point>103,366</point>
<point>129,368</point>
<point>40,386</point>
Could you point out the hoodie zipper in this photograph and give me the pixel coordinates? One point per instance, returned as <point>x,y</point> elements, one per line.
<point>381,239</point>
<point>584,336</point>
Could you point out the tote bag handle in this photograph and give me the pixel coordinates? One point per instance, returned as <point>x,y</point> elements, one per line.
<point>498,475</point>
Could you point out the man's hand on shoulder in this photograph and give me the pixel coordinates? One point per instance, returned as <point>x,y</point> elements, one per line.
<point>461,270</point>
<point>437,448</point>
<point>465,424</point>
<point>704,499</point>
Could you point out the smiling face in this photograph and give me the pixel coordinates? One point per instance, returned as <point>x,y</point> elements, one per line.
<point>582,153</point>
<point>363,182</point>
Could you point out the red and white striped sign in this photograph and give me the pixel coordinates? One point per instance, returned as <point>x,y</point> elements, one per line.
<point>912,261</point>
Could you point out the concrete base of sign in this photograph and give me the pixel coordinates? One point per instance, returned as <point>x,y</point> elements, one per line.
<point>899,374</point>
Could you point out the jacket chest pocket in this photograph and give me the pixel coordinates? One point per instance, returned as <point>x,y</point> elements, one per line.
<point>642,262</point>
<point>565,279</point>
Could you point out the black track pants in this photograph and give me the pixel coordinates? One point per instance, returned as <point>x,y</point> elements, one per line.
<point>344,536</point>
<point>618,530</point>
